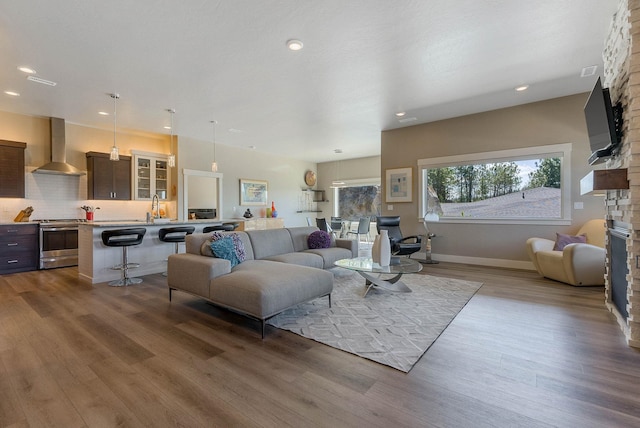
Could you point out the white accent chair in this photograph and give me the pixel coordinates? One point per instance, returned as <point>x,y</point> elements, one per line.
<point>577,264</point>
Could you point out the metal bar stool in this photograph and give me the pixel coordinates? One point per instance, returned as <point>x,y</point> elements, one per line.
<point>175,235</point>
<point>124,238</point>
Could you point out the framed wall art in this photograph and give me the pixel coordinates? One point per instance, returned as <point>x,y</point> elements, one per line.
<point>253,192</point>
<point>399,185</point>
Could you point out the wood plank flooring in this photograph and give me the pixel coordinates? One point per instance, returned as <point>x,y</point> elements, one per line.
<point>525,351</point>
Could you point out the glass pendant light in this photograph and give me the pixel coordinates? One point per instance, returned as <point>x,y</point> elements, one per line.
<point>171,161</point>
<point>114,155</point>
<point>214,164</point>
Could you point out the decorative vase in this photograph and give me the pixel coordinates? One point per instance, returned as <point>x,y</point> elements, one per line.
<point>381,249</point>
<point>273,206</point>
<point>269,212</point>
<point>89,215</point>
<point>274,214</point>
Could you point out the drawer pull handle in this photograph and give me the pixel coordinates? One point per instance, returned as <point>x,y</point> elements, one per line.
<point>12,261</point>
<point>12,244</point>
<point>12,230</point>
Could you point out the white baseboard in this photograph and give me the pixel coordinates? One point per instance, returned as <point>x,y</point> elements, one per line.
<point>510,264</point>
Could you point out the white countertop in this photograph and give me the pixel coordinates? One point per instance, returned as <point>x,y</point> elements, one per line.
<point>143,223</point>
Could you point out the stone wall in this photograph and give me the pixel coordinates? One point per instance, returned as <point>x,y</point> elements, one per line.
<point>622,76</point>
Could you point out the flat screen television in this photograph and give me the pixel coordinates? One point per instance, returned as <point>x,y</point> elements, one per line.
<point>603,124</point>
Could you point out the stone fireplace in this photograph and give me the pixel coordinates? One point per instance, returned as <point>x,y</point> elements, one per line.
<point>622,76</point>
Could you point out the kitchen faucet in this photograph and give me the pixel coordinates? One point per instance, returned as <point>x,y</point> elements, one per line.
<point>155,201</point>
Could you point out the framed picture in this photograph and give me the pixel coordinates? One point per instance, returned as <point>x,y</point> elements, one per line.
<point>399,185</point>
<point>253,192</point>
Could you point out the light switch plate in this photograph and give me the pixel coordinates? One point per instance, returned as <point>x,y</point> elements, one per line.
<point>578,205</point>
<point>389,207</point>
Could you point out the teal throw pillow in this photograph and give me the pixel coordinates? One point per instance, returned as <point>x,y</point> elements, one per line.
<point>228,246</point>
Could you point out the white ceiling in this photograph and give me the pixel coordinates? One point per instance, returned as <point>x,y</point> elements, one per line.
<point>363,61</point>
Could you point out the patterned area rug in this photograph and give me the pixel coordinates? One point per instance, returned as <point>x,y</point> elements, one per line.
<point>390,328</point>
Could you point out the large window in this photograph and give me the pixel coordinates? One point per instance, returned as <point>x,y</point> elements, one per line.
<point>526,185</point>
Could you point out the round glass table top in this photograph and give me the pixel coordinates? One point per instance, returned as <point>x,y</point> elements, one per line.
<point>366,264</point>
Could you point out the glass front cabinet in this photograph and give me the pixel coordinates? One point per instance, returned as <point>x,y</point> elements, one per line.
<point>150,176</point>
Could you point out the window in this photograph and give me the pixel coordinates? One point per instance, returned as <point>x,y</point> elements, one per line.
<point>529,185</point>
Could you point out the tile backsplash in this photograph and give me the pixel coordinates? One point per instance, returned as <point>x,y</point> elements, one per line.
<point>61,196</point>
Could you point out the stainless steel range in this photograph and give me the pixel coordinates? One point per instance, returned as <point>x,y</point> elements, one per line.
<point>59,243</point>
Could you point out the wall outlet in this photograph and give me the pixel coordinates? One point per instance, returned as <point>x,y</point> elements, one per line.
<point>578,205</point>
<point>389,207</point>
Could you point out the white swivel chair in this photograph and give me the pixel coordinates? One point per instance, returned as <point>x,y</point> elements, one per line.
<point>577,264</point>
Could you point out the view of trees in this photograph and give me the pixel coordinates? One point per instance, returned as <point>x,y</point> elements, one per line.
<point>469,183</point>
<point>547,174</point>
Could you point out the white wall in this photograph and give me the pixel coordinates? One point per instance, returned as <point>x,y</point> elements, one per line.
<point>285,177</point>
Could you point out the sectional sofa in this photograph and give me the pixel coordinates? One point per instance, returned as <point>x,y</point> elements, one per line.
<point>280,271</point>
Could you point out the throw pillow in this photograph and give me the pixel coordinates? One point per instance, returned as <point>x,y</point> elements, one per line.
<point>563,240</point>
<point>319,239</point>
<point>228,246</point>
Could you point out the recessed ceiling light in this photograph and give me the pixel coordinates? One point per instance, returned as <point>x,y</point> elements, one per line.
<point>401,113</point>
<point>294,45</point>
<point>27,70</point>
<point>252,147</point>
<point>12,93</point>
<point>167,127</point>
<point>103,113</point>
<point>338,151</point>
<point>522,88</point>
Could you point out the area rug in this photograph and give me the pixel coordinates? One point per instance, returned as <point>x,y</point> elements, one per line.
<point>394,329</point>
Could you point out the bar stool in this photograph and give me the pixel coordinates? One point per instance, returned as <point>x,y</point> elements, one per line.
<point>124,238</point>
<point>175,235</point>
<point>226,227</point>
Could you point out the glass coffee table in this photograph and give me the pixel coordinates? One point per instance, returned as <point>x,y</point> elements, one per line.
<point>372,272</point>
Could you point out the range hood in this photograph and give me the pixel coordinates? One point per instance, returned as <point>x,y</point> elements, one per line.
<point>58,164</point>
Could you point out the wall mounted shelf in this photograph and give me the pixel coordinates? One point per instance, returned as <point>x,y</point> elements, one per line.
<point>604,179</point>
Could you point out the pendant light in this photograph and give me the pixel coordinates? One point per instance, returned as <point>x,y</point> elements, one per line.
<point>114,155</point>
<point>171,161</point>
<point>214,164</point>
<point>337,183</point>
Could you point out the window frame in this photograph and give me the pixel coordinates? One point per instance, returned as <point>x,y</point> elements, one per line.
<point>553,150</point>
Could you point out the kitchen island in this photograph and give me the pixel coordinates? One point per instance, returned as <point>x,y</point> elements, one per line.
<point>95,261</point>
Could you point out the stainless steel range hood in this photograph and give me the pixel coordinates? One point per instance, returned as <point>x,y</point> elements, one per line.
<point>58,164</point>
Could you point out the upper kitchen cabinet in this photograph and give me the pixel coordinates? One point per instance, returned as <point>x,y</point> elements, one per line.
<point>12,169</point>
<point>107,179</point>
<point>150,176</point>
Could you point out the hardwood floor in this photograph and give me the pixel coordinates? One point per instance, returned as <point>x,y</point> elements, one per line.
<point>525,351</point>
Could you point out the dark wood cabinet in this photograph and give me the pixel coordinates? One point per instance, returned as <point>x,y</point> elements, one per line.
<point>107,179</point>
<point>12,169</point>
<point>18,248</point>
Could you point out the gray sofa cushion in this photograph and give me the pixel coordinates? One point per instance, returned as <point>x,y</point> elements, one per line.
<point>330,255</point>
<point>262,288</point>
<point>300,259</point>
<point>267,243</point>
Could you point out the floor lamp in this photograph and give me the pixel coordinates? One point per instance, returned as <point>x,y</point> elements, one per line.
<point>427,245</point>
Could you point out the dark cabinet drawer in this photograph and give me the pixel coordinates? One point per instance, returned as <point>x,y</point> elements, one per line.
<point>18,243</point>
<point>18,229</point>
<point>18,248</point>
<point>18,262</point>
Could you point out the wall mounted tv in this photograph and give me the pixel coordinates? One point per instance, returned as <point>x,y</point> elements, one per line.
<point>604,124</point>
